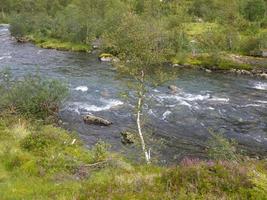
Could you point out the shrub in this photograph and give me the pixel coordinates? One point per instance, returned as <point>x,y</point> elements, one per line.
<point>221,148</point>
<point>100,151</point>
<point>253,43</point>
<point>20,25</point>
<point>33,96</point>
<point>255,10</point>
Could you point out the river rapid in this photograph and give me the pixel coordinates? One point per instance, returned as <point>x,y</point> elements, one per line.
<point>179,124</point>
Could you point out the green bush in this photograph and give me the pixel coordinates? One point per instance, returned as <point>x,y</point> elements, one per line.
<point>100,151</point>
<point>220,148</point>
<point>253,43</point>
<point>32,97</point>
<point>255,9</point>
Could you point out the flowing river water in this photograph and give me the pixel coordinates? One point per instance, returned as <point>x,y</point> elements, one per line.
<point>235,106</point>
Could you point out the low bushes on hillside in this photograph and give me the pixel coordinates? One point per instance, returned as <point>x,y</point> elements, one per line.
<point>32,96</point>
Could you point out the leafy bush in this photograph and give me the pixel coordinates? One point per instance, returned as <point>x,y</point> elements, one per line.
<point>220,148</point>
<point>255,9</point>
<point>100,151</point>
<point>253,43</point>
<point>32,96</point>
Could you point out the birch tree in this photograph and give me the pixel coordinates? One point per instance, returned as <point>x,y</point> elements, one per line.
<point>142,44</point>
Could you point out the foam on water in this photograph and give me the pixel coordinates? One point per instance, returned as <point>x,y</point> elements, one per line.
<point>5,57</point>
<point>81,88</point>
<point>219,99</point>
<point>260,86</point>
<point>259,101</point>
<point>150,112</point>
<point>252,105</point>
<point>189,100</point>
<point>85,107</point>
<point>166,114</point>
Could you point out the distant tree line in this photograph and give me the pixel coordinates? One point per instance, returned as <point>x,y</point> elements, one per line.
<point>229,25</point>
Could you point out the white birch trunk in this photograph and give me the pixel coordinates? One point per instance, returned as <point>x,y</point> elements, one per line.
<point>138,122</point>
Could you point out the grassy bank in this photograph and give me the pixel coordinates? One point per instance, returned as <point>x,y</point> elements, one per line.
<point>221,61</point>
<point>217,62</point>
<point>51,43</point>
<point>45,162</point>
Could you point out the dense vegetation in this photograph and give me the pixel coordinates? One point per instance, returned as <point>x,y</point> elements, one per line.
<point>180,27</point>
<point>40,161</point>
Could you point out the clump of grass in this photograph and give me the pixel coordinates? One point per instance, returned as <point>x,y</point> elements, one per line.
<point>217,62</point>
<point>209,180</point>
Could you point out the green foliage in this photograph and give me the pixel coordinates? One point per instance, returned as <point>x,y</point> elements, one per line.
<point>220,148</point>
<point>203,8</point>
<point>56,150</point>
<point>176,28</point>
<point>32,96</point>
<point>100,151</point>
<point>255,9</point>
<point>252,43</point>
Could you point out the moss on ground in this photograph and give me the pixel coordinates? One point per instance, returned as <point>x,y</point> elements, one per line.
<point>51,43</point>
<point>219,62</point>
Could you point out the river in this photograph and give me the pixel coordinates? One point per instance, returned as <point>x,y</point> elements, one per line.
<point>179,124</point>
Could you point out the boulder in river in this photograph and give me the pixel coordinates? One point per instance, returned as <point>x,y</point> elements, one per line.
<point>177,65</point>
<point>174,89</point>
<point>263,75</point>
<point>106,57</point>
<point>91,119</point>
<point>127,137</point>
<point>22,39</point>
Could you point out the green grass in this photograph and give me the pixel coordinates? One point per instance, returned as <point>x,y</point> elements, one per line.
<point>43,162</point>
<point>218,62</point>
<point>194,29</point>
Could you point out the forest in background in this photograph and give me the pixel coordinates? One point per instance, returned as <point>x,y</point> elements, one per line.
<point>178,27</point>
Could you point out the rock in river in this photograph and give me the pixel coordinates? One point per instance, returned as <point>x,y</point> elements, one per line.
<point>127,137</point>
<point>174,89</point>
<point>91,119</point>
<point>106,57</point>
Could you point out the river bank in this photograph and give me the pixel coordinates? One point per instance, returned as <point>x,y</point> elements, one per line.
<point>222,62</point>
<point>52,43</point>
